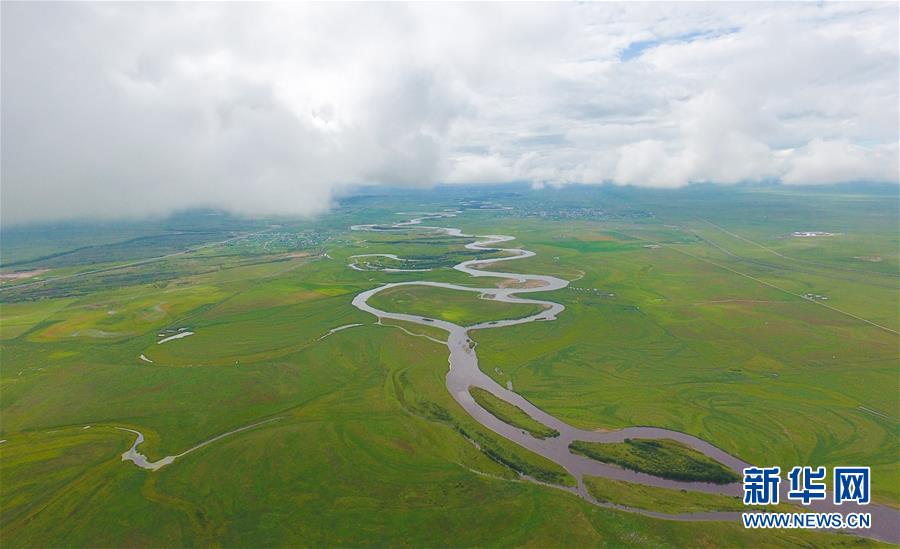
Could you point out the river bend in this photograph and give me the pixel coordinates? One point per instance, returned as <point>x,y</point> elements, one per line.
<point>464,373</point>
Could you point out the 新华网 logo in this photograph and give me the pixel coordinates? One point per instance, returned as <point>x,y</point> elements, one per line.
<point>807,485</point>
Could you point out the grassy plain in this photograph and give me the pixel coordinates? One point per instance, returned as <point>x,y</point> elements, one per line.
<point>371,448</point>
<point>459,307</point>
<point>662,328</point>
<point>511,414</point>
<point>666,500</point>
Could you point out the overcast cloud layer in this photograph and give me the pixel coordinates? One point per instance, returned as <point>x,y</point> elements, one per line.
<point>137,109</point>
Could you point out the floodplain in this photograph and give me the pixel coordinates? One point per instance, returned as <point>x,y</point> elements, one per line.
<point>678,315</point>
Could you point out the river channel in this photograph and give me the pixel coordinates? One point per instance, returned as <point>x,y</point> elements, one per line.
<point>464,373</point>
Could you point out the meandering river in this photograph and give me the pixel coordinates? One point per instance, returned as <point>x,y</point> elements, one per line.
<point>464,373</point>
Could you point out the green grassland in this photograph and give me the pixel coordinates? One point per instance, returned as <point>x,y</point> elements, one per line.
<point>663,458</point>
<point>371,449</point>
<point>511,414</point>
<point>417,329</point>
<point>683,335</point>
<point>460,307</point>
<point>666,500</point>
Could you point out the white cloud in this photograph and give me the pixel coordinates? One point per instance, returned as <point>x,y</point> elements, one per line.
<point>836,161</point>
<point>136,109</point>
<point>479,169</point>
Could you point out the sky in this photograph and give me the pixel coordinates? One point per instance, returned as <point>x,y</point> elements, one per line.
<point>132,109</point>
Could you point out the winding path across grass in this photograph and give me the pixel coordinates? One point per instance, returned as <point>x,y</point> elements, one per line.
<point>465,373</point>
